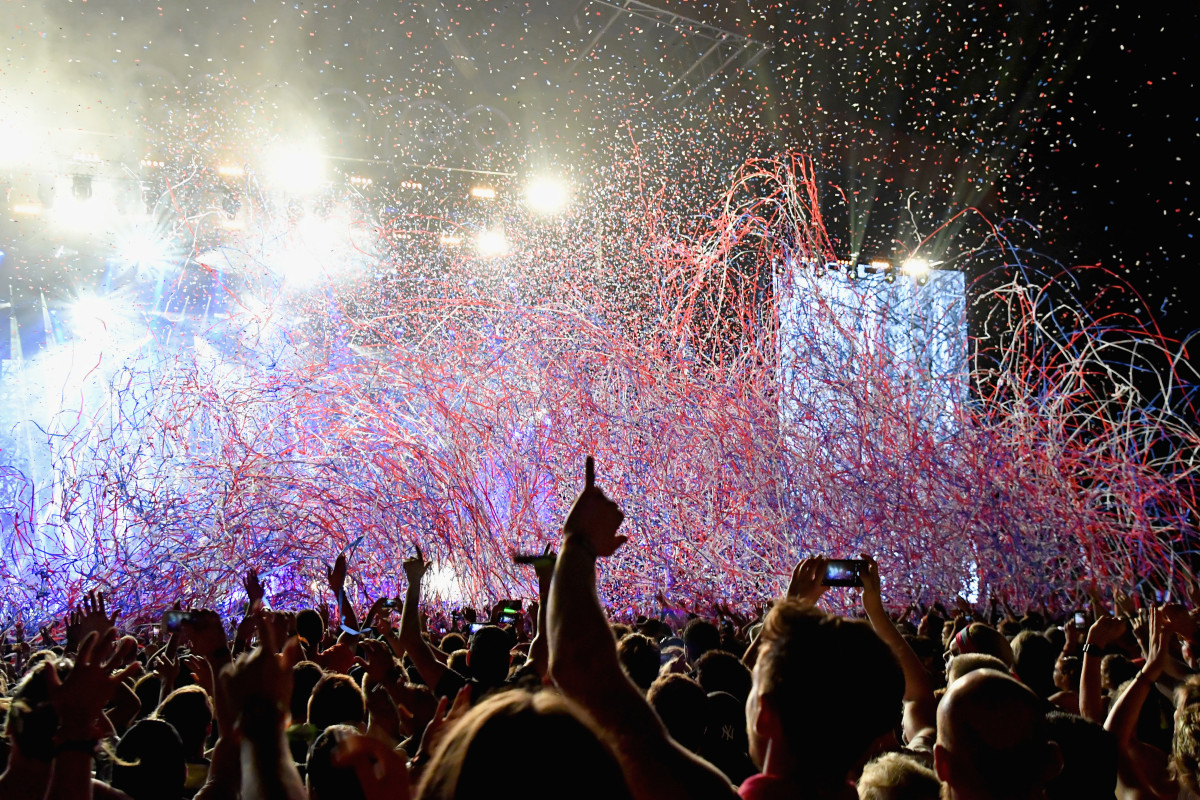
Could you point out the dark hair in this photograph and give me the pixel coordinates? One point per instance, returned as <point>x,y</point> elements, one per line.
<point>680,703</point>
<point>1089,754</point>
<point>150,761</point>
<point>190,712</point>
<point>639,655</point>
<point>147,689</point>
<point>489,650</point>
<point>305,676</point>
<point>700,636</point>
<point>323,779</point>
<point>310,626</point>
<point>336,699</point>
<point>855,687</point>
<point>451,642</point>
<point>1033,662</point>
<point>478,749</point>
<point>719,671</point>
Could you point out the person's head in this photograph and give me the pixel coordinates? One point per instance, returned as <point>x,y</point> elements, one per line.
<point>639,656</point>
<point>1116,669</point>
<point>190,712</point>
<point>893,776</point>
<point>820,716</point>
<point>324,780</point>
<point>148,688</point>
<point>304,678</point>
<point>699,637</point>
<point>460,661</point>
<point>150,762</point>
<point>979,638</point>
<point>31,721</point>
<point>451,642</point>
<point>479,748</point>
<point>993,739</point>
<point>680,703</point>
<point>1089,756</point>
<point>336,699</point>
<point>1067,672</point>
<point>1185,747</point>
<point>310,626</point>
<point>1033,662</point>
<point>725,745</point>
<point>719,671</point>
<point>964,665</point>
<point>488,655</point>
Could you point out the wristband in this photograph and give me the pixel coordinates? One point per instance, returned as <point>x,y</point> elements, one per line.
<point>1088,647</point>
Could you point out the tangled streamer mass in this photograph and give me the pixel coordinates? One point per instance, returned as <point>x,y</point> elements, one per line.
<point>744,403</point>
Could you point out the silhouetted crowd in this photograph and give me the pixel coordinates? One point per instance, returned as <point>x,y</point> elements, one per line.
<point>554,699</point>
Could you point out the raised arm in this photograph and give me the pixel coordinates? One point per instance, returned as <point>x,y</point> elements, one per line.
<point>539,648</point>
<point>1123,717</point>
<point>418,649</point>
<point>583,661</point>
<point>1104,631</point>
<point>920,707</point>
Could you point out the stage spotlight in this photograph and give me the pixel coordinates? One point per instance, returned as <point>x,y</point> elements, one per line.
<point>547,196</point>
<point>880,265</point>
<point>296,168</point>
<point>916,267</point>
<point>144,247</point>
<point>27,209</point>
<point>491,242</point>
<point>94,317</point>
<point>483,193</point>
<point>81,187</point>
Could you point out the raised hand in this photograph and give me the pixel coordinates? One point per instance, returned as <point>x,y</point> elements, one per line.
<point>206,633</point>
<point>1106,630</point>
<point>259,685</point>
<point>594,519</point>
<point>872,593</point>
<point>416,567</point>
<point>808,580</point>
<point>543,565</point>
<point>93,617</point>
<point>379,661</point>
<point>80,698</point>
<point>1158,649</point>
<point>254,591</point>
<point>74,629</point>
<point>337,575</point>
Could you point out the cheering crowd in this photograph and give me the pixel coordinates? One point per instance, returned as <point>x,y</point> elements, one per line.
<point>556,700</point>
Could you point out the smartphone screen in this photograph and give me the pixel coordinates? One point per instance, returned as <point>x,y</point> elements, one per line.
<point>1080,619</point>
<point>842,572</point>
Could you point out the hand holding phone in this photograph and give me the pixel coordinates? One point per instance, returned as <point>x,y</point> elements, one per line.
<point>843,572</point>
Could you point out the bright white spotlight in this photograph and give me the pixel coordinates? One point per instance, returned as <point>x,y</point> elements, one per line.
<point>547,195</point>
<point>916,267</point>
<point>491,242</point>
<point>144,247</point>
<point>94,317</point>
<point>296,168</point>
